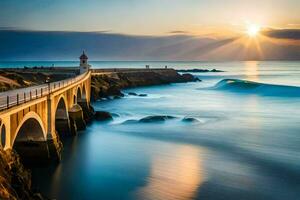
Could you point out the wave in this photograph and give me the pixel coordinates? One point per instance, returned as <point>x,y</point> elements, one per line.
<point>237,85</point>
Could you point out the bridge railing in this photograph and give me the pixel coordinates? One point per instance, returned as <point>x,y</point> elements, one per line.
<point>19,96</point>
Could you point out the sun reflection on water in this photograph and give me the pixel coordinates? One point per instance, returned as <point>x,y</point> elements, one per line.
<point>252,70</point>
<point>176,177</point>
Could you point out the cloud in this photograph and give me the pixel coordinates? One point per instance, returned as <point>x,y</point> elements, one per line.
<point>8,28</point>
<point>66,45</point>
<point>293,34</point>
<point>294,25</point>
<point>178,32</point>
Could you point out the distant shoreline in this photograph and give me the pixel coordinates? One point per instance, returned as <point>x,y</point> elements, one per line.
<point>199,70</point>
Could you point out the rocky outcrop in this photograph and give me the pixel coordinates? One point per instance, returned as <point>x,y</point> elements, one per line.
<point>103,116</point>
<point>105,85</point>
<point>189,77</point>
<point>88,111</point>
<point>15,180</point>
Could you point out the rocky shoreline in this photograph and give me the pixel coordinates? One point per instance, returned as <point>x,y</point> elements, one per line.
<point>110,85</point>
<point>15,179</point>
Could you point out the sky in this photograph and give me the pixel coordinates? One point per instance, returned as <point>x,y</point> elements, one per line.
<point>208,23</point>
<point>148,17</point>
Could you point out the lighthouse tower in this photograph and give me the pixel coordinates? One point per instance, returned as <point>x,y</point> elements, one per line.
<point>84,66</point>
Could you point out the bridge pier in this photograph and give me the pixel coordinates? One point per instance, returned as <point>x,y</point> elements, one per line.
<point>55,148</point>
<point>76,115</point>
<point>63,127</point>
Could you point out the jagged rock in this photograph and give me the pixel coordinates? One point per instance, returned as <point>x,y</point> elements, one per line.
<point>103,116</point>
<point>88,111</point>
<point>15,180</point>
<point>189,78</point>
<point>114,91</point>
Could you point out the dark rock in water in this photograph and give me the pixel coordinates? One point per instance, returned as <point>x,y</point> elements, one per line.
<point>159,118</point>
<point>135,94</point>
<point>190,119</point>
<point>132,93</point>
<point>103,116</point>
<point>117,97</point>
<point>114,91</point>
<point>143,95</point>
<point>189,77</point>
<point>130,121</point>
<point>216,70</point>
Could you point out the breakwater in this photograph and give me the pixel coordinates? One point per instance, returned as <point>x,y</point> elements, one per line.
<point>110,82</point>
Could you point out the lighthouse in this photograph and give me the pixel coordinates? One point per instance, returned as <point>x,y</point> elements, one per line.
<point>84,66</point>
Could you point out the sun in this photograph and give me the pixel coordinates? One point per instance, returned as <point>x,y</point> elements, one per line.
<point>253,30</point>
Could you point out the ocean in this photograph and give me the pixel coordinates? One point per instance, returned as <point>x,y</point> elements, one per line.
<point>241,139</point>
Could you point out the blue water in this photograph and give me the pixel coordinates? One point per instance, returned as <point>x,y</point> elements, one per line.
<point>243,144</point>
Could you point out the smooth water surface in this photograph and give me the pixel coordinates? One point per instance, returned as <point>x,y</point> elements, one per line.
<point>243,144</point>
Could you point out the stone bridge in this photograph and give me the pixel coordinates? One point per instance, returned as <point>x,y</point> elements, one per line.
<point>33,119</point>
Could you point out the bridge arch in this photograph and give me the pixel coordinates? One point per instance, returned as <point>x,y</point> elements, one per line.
<point>62,122</point>
<point>30,139</point>
<point>2,135</point>
<point>78,94</point>
<point>31,127</point>
<point>62,103</point>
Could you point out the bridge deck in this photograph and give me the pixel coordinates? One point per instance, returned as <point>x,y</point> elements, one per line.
<point>19,96</point>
